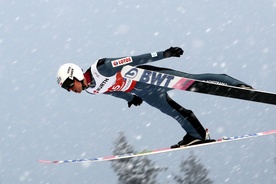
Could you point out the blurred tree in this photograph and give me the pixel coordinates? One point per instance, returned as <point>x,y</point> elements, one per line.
<point>139,170</point>
<point>191,172</point>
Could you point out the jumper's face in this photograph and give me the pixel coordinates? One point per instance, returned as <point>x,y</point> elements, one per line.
<point>77,87</point>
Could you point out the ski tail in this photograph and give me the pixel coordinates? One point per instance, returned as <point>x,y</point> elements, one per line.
<point>206,87</point>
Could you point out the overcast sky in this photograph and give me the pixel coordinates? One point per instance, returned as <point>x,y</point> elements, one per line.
<point>39,120</point>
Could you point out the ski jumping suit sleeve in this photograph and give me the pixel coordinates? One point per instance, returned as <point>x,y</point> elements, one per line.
<point>157,96</point>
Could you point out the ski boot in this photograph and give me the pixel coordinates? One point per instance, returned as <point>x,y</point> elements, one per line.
<point>189,140</point>
<point>245,87</point>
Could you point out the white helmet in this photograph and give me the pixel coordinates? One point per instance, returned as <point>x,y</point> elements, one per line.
<point>66,74</point>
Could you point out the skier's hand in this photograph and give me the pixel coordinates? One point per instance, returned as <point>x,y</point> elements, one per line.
<point>173,52</point>
<point>135,101</point>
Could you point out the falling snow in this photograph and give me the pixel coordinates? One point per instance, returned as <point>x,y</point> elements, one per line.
<point>41,121</point>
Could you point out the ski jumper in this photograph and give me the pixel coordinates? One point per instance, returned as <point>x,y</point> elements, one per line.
<point>104,78</point>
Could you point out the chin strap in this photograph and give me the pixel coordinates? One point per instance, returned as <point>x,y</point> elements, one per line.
<point>83,86</point>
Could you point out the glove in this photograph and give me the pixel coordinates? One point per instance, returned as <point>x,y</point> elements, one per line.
<point>135,101</point>
<point>173,52</point>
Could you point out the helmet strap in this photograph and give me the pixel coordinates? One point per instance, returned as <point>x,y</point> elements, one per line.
<point>84,84</point>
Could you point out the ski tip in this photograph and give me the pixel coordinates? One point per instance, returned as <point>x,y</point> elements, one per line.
<point>269,132</point>
<point>45,161</point>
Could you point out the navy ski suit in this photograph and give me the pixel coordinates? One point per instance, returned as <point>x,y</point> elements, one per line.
<point>153,95</point>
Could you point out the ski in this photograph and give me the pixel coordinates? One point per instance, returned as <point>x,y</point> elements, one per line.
<point>157,151</point>
<point>205,87</point>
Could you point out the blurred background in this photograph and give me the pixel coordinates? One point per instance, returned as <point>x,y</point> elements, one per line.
<point>39,120</point>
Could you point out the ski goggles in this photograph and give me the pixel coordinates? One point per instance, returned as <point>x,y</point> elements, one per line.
<point>68,84</point>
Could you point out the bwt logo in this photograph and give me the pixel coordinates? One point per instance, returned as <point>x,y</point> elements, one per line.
<point>150,77</point>
<point>131,74</point>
